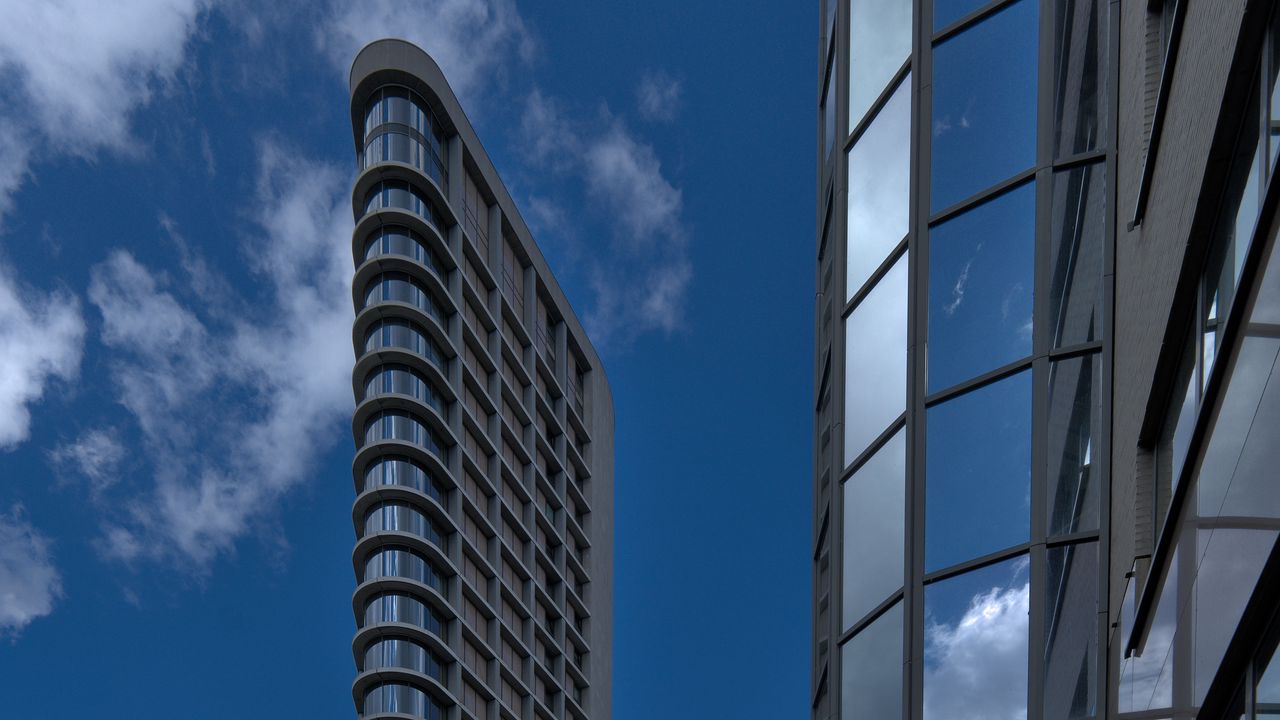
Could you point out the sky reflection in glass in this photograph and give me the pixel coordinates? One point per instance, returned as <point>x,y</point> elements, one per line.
<point>946,12</point>
<point>879,43</point>
<point>984,104</point>
<point>1071,632</point>
<point>981,283</point>
<point>879,188</point>
<point>978,482</point>
<point>976,643</point>
<point>871,670</point>
<point>1075,417</point>
<point>875,391</point>
<point>874,530</point>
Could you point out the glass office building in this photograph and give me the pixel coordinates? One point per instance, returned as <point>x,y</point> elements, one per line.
<point>483,429</point>
<point>1046,451</point>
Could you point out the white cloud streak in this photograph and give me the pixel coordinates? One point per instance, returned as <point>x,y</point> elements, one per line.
<point>29,582</point>
<point>640,277</point>
<point>658,97</point>
<point>234,413</point>
<point>41,339</point>
<point>471,40</point>
<point>79,68</point>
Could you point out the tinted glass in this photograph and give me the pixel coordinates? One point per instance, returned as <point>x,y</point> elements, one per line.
<point>1146,679</point>
<point>984,104</point>
<point>978,486</point>
<point>1071,633</point>
<point>879,188</point>
<point>981,284</point>
<point>874,517</point>
<point>829,113</point>
<point>1079,231</point>
<point>1075,421</point>
<point>946,12</point>
<point>871,670</point>
<point>1238,216</point>
<point>879,43</point>
<point>876,361</point>
<point>1267,689</point>
<point>975,644</point>
<point>1079,88</point>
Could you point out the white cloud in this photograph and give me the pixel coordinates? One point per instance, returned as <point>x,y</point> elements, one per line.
<point>96,455</point>
<point>976,669</point>
<point>29,582</point>
<point>472,41</point>
<point>641,276</point>
<point>658,97</point>
<point>236,411</point>
<point>80,68</point>
<point>41,338</point>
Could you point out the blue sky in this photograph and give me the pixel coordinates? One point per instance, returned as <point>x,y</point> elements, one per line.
<point>175,487</point>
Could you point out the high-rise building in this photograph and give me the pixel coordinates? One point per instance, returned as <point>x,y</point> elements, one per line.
<point>483,427</point>
<point>1047,417</point>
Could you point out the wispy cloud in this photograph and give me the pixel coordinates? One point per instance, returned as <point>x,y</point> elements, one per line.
<point>640,272</point>
<point>41,339</point>
<point>77,69</point>
<point>473,41</point>
<point>29,582</point>
<point>658,96</point>
<point>96,455</point>
<point>234,409</point>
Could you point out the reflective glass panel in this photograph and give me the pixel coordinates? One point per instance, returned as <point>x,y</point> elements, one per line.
<point>984,104</point>
<point>981,285</point>
<point>879,188</point>
<point>829,113</point>
<point>1071,633</point>
<point>871,670</point>
<point>975,643</point>
<point>1079,233</point>
<point>978,486</point>
<point>876,361</point>
<point>1075,420</point>
<point>1267,689</point>
<point>946,12</point>
<point>879,43</point>
<point>1079,88</point>
<point>1239,215</point>
<point>874,519</point>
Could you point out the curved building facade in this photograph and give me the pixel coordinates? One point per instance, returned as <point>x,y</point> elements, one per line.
<point>483,430</point>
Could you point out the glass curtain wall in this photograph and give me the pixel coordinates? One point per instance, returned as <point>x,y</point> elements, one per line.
<point>974,241</point>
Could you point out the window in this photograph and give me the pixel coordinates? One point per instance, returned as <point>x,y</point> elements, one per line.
<point>984,104</point>
<point>981,286</point>
<point>983,611</point>
<point>978,473</point>
<point>395,240</point>
<point>1075,420</point>
<point>879,188</point>
<point>1071,632</point>
<point>879,44</point>
<point>1076,254</point>
<point>876,361</point>
<point>1080,77</point>
<point>405,473</point>
<point>403,288</point>
<point>874,530</point>
<point>405,335</point>
<point>871,670</point>
<point>829,110</point>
